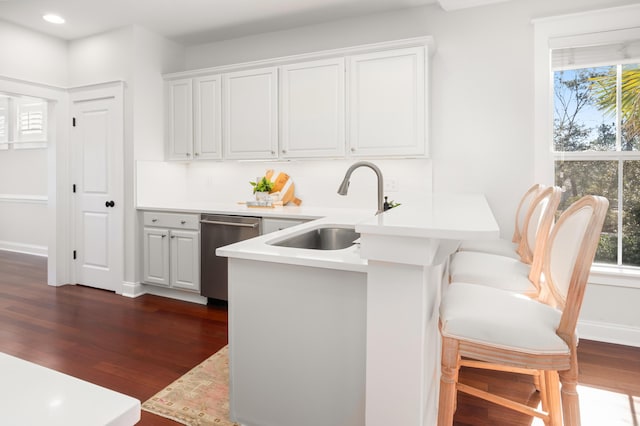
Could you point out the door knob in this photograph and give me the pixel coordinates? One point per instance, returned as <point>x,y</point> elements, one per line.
<point>109,204</point>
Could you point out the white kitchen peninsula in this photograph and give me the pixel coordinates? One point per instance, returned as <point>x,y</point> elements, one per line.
<point>35,395</point>
<point>346,336</point>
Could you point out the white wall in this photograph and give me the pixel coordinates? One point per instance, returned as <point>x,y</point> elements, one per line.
<point>350,32</point>
<point>23,200</point>
<point>31,56</point>
<point>153,56</point>
<point>27,56</point>
<point>101,58</point>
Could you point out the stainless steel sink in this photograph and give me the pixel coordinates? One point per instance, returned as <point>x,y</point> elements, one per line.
<point>323,238</point>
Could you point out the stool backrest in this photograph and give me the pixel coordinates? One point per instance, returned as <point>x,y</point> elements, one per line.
<point>523,209</point>
<point>537,226</point>
<point>567,262</point>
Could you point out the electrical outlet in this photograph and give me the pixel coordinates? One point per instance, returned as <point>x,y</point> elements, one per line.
<point>390,185</point>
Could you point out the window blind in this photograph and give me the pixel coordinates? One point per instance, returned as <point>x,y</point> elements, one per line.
<point>31,120</point>
<point>4,120</point>
<point>591,50</point>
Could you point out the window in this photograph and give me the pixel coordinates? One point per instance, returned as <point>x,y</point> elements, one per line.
<point>4,121</point>
<point>23,122</point>
<point>596,139</point>
<point>31,120</point>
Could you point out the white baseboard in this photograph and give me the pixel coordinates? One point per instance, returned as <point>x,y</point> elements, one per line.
<point>610,333</point>
<point>24,248</point>
<point>132,290</point>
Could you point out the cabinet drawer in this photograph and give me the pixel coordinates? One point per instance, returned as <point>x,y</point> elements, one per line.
<point>272,225</point>
<point>172,220</point>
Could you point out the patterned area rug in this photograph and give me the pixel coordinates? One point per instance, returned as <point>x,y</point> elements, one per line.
<point>200,397</point>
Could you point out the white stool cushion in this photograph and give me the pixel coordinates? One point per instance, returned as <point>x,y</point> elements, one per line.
<point>500,247</point>
<point>497,318</point>
<point>491,270</point>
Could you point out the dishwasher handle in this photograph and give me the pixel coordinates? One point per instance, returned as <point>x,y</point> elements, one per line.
<point>242,225</point>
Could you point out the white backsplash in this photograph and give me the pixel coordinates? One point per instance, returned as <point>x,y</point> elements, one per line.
<point>159,182</point>
<point>316,181</point>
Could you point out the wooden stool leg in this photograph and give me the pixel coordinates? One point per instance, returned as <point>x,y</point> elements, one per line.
<point>536,381</point>
<point>448,380</point>
<point>544,396</point>
<point>570,401</point>
<point>552,386</point>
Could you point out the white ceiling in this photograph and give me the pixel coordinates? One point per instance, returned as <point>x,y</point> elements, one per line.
<point>188,21</point>
<point>199,21</point>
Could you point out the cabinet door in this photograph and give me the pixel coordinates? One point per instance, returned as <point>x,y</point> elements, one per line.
<point>250,114</point>
<point>179,119</point>
<point>207,118</point>
<point>387,103</point>
<point>156,256</point>
<point>312,108</point>
<point>185,260</point>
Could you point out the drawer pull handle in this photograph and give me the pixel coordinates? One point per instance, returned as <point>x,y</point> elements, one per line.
<point>243,225</point>
<point>183,222</point>
<point>154,220</point>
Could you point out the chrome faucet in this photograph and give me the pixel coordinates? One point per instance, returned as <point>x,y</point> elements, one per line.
<point>344,186</point>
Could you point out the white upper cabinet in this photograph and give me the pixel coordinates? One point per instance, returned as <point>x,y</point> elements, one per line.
<point>312,109</point>
<point>193,118</point>
<point>386,103</point>
<point>359,102</point>
<point>207,118</point>
<point>250,114</point>
<point>179,119</point>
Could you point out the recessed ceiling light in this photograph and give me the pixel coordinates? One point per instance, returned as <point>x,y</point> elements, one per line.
<point>54,19</point>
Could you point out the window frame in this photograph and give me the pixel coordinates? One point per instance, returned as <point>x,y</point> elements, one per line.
<point>605,26</point>
<point>15,140</point>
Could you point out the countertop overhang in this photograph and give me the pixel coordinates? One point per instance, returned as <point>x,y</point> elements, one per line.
<point>450,217</point>
<point>439,216</point>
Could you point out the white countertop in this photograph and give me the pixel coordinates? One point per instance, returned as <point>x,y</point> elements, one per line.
<point>259,248</point>
<point>452,217</point>
<point>441,216</point>
<point>289,212</point>
<point>36,395</point>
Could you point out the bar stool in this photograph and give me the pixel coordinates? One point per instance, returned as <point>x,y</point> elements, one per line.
<point>501,328</point>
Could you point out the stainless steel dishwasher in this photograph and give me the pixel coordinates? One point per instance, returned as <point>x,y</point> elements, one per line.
<point>218,231</point>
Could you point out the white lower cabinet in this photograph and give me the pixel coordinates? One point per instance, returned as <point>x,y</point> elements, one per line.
<point>184,247</point>
<point>156,256</point>
<point>172,254</point>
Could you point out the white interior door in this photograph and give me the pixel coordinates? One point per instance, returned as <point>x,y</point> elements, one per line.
<point>98,203</point>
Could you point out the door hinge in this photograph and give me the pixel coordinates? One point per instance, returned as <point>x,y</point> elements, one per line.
<point>73,122</point>
<point>74,187</point>
<point>74,255</point>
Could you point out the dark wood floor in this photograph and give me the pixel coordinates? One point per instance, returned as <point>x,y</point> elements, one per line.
<point>139,346</point>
